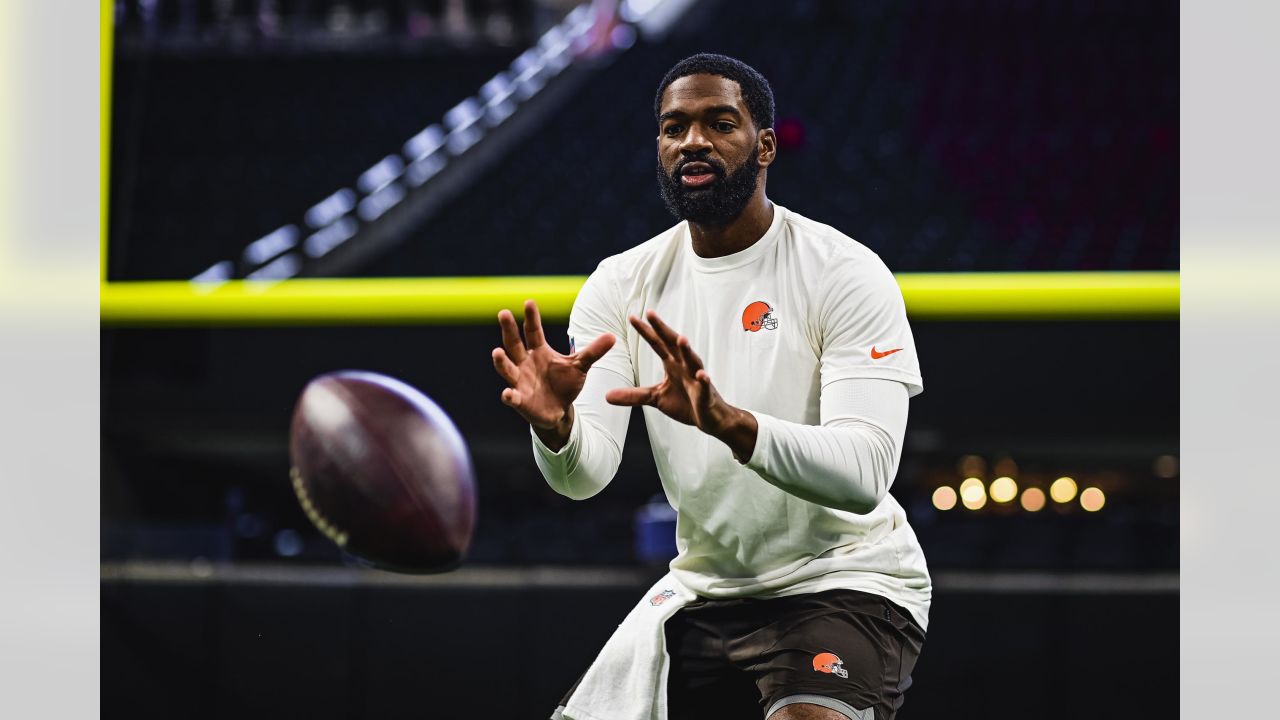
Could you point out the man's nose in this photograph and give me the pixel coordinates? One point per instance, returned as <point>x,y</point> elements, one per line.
<point>695,142</point>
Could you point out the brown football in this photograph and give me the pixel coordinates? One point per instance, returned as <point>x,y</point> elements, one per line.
<point>383,472</point>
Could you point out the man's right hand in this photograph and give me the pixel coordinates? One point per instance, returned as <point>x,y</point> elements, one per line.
<point>543,382</point>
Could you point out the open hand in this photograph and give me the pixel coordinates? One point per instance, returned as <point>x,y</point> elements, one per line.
<point>686,393</point>
<point>544,383</point>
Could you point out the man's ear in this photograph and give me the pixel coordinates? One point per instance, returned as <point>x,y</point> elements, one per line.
<point>767,141</point>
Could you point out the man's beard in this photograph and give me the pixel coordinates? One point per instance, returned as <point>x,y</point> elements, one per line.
<point>716,204</point>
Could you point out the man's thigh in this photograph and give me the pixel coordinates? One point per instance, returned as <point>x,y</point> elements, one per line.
<point>794,658</point>
<point>701,682</point>
<point>839,650</point>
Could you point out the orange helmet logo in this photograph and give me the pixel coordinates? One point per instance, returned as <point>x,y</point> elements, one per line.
<point>758,315</point>
<point>829,663</point>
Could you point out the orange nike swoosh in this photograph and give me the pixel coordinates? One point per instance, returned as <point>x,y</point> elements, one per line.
<point>877,355</point>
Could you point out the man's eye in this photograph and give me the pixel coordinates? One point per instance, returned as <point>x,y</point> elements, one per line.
<point>672,130</point>
<point>724,126</point>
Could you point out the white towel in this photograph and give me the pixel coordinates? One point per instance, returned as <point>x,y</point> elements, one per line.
<point>628,680</point>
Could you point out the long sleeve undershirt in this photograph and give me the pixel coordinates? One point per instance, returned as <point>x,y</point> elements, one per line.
<point>589,460</point>
<point>847,463</point>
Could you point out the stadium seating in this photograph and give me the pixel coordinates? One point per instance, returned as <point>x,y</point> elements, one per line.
<point>954,136</point>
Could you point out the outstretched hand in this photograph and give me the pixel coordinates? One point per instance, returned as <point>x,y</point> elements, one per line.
<point>686,393</point>
<point>544,383</point>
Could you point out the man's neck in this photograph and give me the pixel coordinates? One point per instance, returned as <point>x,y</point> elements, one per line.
<point>741,233</point>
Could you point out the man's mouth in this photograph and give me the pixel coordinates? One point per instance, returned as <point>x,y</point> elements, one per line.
<point>696,174</point>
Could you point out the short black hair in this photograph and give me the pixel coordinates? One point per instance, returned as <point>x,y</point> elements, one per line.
<point>755,89</point>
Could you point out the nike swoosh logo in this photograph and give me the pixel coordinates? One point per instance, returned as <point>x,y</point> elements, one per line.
<point>877,355</point>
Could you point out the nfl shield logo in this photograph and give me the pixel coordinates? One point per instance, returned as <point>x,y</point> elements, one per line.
<point>662,597</point>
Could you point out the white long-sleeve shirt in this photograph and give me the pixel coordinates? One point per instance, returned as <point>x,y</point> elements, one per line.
<point>846,463</point>
<point>806,330</point>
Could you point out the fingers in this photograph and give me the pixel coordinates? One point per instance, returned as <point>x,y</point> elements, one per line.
<point>511,397</point>
<point>631,396</point>
<point>511,337</point>
<point>533,336</point>
<point>659,346</point>
<point>504,366</point>
<point>588,355</point>
<point>665,332</point>
<point>666,341</point>
<point>691,358</point>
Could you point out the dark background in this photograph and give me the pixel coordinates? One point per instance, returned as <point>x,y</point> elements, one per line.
<point>949,136</point>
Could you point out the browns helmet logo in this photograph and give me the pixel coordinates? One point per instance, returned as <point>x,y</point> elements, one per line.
<point>759,314</point>
<point>829,663</point>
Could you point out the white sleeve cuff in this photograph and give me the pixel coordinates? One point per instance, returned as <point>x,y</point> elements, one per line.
<point>565,455</point>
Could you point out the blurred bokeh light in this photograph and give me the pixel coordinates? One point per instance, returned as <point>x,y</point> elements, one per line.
<point>1004,489</point>
<point>1063,490</point>
<point>944,498</point>
<point>1092,499</point>
<point>1033,499</point>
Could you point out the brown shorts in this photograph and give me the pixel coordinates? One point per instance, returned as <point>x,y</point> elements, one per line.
<point>847,650</point>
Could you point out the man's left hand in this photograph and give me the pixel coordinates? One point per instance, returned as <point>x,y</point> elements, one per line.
<point>686,393</point>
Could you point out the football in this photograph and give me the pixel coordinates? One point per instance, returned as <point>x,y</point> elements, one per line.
<point>383,472</point>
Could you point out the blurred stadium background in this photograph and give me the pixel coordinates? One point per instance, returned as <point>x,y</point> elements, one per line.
<point>298,186</point>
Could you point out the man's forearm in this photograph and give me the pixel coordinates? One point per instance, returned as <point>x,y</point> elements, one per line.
<point>580,456</point>
<point>846,468</point>
<point>849,462</point>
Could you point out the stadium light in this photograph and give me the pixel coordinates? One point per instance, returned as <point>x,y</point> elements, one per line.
<point>285,266</point>
<point>1033,499</point>
<point>973,494</point>
<point>944,498</point>
<point>271,245</point>
<point>1063,490</point>
<point>425,168</point>
<point>218,272</point>
<point>330,237</point>
<point>382,200</point>
<point>430,139</point>
<point>635,10</point>
<point>461,121</point>
<point>1092,499</point>
<point>331,208</point>
<point>974,499</point>
<point>498,102</point>
<point>382,174</point>
<point>1004,489</point>
<point>527,69</point>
